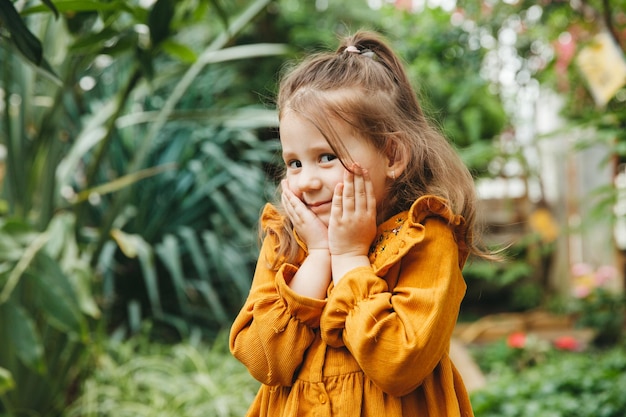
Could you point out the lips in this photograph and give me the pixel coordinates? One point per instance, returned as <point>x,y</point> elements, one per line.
<point>319,207</point>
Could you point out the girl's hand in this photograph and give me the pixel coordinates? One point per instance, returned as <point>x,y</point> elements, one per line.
<point>309,227</point>
<point>352,225</point>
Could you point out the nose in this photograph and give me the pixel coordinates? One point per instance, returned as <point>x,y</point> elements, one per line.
<point>309,179</point>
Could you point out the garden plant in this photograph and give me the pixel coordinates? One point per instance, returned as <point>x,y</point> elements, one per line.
<point>137,150</point>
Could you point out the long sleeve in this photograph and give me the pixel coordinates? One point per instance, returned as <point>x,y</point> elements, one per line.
<point>275,326</point>
<point>397,322</point>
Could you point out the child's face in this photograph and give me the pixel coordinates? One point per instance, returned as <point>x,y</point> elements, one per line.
<point>313,168</point>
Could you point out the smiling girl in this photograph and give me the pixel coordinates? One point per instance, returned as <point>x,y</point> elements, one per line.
<point>358,285</point>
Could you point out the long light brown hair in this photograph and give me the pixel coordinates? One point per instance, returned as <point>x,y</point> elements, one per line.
<point>368,88</point>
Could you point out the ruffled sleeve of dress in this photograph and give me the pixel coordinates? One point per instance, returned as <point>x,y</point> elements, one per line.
<point>397,316</point>
<point>276,325</point>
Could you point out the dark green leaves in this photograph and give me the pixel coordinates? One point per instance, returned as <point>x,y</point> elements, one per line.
<point>20,35</point>
<point>159,21</point>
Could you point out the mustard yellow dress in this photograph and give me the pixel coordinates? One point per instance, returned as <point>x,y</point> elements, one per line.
<point>378,345</point>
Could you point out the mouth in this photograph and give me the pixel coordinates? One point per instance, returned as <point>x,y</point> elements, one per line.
<point>319,207</point>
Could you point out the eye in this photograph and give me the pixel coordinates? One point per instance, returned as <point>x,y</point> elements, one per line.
<point>327,157</point>
<point>294,164</point>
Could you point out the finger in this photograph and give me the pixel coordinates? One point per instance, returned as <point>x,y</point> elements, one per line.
<point>336,208</point>
<point>360,196</point>
<point>370,197</point>
<point>288,207</point>
<point>287,194</point>
<point>348,191</point>
<point>291,203</point>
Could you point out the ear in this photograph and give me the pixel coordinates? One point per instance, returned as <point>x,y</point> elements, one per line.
<point>397,158</point>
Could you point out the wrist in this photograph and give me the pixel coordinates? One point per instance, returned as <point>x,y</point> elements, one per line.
<point>319,250</point>
<point>341,264</point>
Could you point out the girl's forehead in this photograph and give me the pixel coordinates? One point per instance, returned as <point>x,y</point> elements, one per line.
<point>329,127</point>
<point>295,128</point>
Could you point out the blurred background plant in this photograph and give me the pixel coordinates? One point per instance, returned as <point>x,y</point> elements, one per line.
<point>47,308</point>
<point>568,384</point>
<point>521,350</point>
<point>123,197</point>
<point>596,302</point>
<point>139,148</point>
<point>136,377</point>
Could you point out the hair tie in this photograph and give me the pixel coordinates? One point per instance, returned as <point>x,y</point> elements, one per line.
<point>365,52</point>
<point>369,53</point>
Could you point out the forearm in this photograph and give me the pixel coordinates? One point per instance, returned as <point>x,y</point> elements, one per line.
<point>313,276</point>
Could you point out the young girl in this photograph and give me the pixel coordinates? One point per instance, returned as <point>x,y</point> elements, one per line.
<point>358,284</point>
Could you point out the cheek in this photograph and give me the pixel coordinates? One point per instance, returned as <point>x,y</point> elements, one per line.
<point>335,177</point>
<point>379,181</point>
<point>292,183</point>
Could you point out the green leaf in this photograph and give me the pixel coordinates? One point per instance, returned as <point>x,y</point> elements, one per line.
<point>65,250</point>
<point>93,133</point>
<point>134,246</point>
<point>146,63</point>
<point>205,286</point>
<point>26,258</point>
<point>22,334</point>
<point>169,253</point>
<point>21,36</point>
<point>65,6</point>
<point>52,7</point>
<point>159,21</point>
<point>55,296</point>
<point>180,51</point>
<point>7,383</point>
<point>122,182</point>
<point>93,42</point>
<point>146,259</point>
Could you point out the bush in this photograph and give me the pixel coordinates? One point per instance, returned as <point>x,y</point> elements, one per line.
<point>571,384</point>
<point>139,377</point>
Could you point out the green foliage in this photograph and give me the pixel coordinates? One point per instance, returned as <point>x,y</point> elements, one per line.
<point>514,284</point>
<point>596,302</point>
<point>6,381</point>
<point>126,74</point>
<point>603,310</point>
<point>519,352</point>
<point>101,146</point>
<point>190,232</point>
<point>448,73</point>
<point>140,377</point>
<point>311,26</point>
<point>568,384</point>
<point>46,307</point>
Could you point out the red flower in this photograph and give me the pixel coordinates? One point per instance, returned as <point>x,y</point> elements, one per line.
<point>516,340</point>
<point>567,343</point>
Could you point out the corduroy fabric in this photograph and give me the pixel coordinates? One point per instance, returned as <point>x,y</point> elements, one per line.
<point>378,344</point>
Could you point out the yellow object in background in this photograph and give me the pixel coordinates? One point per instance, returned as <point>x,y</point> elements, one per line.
<point>543,222</point>
<point>603,66</point>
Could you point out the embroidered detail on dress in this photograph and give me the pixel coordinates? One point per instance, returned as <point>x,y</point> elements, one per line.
<point>379,244</point>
